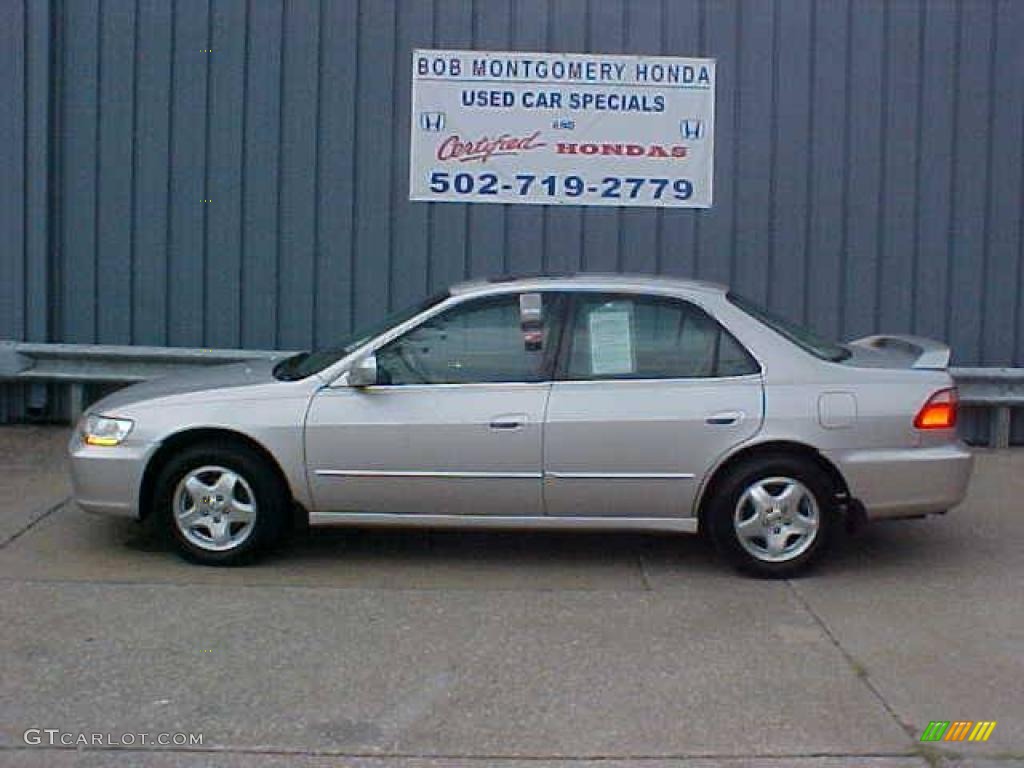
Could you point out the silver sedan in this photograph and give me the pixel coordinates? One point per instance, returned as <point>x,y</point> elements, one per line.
<point>588,402</point>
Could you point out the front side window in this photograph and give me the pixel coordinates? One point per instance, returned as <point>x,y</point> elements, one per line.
<point>307,363</point>
<point>504,338</point>
<point>643,337</point>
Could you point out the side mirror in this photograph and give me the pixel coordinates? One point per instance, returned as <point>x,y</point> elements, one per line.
<point>363,372</point>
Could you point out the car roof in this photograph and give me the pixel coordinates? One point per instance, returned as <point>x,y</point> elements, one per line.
<point>588,281</point>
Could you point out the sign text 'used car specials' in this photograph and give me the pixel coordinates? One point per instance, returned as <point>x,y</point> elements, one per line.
<point>562,129</point>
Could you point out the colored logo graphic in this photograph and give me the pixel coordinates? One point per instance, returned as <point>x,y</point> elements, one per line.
<point>958,730</point>
<point>432,121</point>
<point>692,129</point>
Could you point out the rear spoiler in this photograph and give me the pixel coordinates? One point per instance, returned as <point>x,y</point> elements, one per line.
<point>919,352</point>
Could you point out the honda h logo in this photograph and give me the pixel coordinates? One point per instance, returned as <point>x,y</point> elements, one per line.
<point>432,121</point>
<point>692,129</point>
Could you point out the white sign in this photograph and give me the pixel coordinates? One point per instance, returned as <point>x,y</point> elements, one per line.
<point>611,340</point>
<point>562,129</point>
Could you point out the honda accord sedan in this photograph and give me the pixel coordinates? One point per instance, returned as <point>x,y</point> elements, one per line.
<point>581,403</point>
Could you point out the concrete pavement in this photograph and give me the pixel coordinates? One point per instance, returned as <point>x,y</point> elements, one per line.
<point>371,649</point>
<point>33,476</point>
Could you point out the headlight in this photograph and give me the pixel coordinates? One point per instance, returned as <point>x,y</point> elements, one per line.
<point>104,430</point>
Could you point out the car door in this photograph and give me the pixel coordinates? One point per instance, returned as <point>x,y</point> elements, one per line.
<point>454,424</point>
<point>650,391</point>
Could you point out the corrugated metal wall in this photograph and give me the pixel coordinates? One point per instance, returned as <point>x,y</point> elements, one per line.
<point>868,173</point>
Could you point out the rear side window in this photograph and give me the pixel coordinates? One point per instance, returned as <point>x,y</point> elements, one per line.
<point>646,337</point>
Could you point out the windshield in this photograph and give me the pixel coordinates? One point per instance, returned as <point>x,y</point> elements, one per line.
<point>307,363</point>
<point>804,338</point>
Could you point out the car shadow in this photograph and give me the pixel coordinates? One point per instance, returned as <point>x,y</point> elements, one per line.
<point>493,546</point>
<point>356,546</point>
<point>881,548</point>
<point>897,546</point>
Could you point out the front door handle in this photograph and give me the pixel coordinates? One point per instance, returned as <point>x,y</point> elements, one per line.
<point>506,424</point>
<point>724,418</point>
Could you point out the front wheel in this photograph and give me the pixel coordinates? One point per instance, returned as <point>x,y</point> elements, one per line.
<point>223,504</point>
<point>773,516</point>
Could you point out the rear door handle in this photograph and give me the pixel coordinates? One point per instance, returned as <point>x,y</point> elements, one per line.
<point>724,418</point>
<point>508,422</point>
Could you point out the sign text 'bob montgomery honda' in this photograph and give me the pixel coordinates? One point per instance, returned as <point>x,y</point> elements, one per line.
<point>562,129</point>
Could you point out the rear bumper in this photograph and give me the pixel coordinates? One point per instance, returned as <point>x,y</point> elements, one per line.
<point>907,482</point>
<point>106,480</point>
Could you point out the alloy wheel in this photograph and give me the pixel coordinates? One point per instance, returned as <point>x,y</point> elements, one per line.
<point>214,508</point>
<point>777,519</point>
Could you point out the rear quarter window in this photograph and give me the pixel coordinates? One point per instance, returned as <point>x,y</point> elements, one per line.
<point>802,337</point>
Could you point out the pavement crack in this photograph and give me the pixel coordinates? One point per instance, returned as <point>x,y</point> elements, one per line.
<point>34,522</point>
<point>643,574</point>
<point>858,668</point>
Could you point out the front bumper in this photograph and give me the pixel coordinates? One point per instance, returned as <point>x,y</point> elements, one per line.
<point>107,479</point>
<point>907,482</point>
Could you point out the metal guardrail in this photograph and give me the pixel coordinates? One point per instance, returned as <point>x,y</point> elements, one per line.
<point>78,365</point>
<point>999,389</point>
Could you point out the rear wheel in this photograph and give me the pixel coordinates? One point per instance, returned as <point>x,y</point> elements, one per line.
<point>773,516</point>
<point>222,504</point>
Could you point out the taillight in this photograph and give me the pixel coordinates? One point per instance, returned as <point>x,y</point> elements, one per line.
<point>939,412</point>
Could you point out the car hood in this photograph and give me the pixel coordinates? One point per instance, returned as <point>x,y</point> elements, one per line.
<point>215,377</point>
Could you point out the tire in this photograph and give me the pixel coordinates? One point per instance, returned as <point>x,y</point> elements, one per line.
<point>222,503</point>
<point>773,516</point>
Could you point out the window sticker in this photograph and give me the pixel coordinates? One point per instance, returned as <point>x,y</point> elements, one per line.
<point>531,306</point>
<point>611,340</point>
